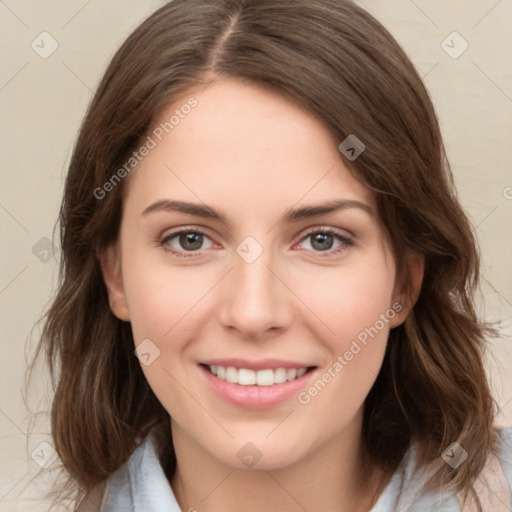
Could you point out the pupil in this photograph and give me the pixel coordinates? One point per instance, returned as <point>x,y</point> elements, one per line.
<point>321,239</point>
<point>191,241</point>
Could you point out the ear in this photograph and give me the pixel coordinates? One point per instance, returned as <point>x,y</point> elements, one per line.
<point>409,290</point>
<point>110,262</point>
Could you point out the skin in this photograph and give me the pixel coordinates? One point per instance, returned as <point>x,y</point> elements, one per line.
<point>252,155</point>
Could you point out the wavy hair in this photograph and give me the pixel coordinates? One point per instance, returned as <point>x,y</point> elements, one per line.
<point>337,61</point>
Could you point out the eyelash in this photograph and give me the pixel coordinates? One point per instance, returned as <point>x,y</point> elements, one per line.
<point>345,241</point>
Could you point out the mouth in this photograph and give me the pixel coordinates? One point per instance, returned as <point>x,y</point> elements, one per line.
<point>263,377</point>
<point>265,385</point>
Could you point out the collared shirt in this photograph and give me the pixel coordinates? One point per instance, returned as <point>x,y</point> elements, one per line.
<point>140,485</point>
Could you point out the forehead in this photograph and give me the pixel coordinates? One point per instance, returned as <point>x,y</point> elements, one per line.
<point>242,146</point>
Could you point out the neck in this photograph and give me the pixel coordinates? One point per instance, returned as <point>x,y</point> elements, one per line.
<point>330,478</point>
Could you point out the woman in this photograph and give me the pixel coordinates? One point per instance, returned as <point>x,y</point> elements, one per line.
<point>267,281</point>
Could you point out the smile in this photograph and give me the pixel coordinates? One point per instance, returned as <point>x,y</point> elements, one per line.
<point>248,377</point>
<point>266,385</point>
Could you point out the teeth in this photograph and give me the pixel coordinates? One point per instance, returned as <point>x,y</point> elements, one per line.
<point>265,377</point>
<point>232,375</point>
<point>279,376</point>
<point>291,373</point>
<point>246,377</point>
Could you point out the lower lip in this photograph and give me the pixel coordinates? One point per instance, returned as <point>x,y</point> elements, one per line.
<point>255,397</point>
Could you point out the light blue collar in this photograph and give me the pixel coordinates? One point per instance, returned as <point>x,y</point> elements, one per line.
<point>140,485</point>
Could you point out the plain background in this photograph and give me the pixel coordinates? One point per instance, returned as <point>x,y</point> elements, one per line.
<point>42,103</point>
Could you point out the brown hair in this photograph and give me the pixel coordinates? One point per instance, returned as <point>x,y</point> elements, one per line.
<point>334,59</point>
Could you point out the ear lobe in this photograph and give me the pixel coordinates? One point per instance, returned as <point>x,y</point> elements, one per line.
<point>110,262</point>
<point>411,289</point>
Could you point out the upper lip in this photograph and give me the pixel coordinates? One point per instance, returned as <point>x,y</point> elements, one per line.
<point>262,364</point>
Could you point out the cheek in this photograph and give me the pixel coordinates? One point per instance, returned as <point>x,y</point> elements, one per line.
<point>356,306</point>
<point>165,305</point>
<point>161,297</point>
<point>349,299</point>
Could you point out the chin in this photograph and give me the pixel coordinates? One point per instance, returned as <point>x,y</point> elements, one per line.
<point>260,453</point>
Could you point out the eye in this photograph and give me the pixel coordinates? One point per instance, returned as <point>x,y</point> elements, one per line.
<point>192,241</point>
<point>324,241</point>
<point>185,240</point>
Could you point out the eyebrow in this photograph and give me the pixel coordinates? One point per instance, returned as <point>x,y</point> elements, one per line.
<point>291,215</point>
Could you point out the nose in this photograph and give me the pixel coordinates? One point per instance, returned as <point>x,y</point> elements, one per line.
<point>255,298</point>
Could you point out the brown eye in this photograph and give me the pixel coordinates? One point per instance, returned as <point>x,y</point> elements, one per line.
<point>327,241</point>
<point>180,242</point>
<point>191,241</point>
<point>322,241</point>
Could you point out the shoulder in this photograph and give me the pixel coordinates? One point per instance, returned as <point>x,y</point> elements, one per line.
<point>405,492</point>
<point>494,483</point>
<point>504,449</point>
<point>138,485</point>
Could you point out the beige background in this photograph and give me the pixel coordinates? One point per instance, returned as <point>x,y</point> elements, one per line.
<point>42,102</point>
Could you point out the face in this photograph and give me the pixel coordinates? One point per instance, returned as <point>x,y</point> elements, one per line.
<point>222,268</point>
